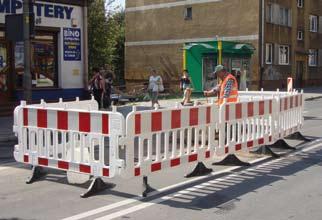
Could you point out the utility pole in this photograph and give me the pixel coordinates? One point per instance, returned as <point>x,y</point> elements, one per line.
<point>27,95</point>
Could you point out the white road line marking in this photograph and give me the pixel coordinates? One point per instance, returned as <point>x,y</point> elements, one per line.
<point>168,197</point>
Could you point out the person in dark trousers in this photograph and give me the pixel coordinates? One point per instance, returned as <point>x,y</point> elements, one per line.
<point>108,80</point>
<point>97,86</point>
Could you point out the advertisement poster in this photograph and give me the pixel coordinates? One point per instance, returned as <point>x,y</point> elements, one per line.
<point>72,44</point>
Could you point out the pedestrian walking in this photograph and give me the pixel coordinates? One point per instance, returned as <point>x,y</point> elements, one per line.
<point>97,84</point>
<point>155,86</point>
<point>185,85</point>
<point>108,80</point>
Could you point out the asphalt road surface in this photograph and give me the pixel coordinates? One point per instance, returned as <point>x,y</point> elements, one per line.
<point>284,188</point>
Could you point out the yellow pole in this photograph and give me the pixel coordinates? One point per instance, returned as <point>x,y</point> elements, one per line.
<point>219,52</point>
<point>184,59</point>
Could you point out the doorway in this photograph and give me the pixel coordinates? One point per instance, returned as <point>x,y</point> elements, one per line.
<point>5,77</point>
<point>299,74</point>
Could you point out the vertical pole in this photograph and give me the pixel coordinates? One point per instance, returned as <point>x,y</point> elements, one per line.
<point>184,58</point>
<point>27,51</point>
<point>219,52</point>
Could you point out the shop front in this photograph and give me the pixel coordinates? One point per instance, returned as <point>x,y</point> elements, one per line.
<point>202,58</point>
<point>58,52</point>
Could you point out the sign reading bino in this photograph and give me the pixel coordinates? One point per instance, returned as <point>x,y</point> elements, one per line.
<point>72,44</point>
<point>40,9</point>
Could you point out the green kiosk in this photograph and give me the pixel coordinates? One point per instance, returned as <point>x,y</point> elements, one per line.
<point>201,58</point>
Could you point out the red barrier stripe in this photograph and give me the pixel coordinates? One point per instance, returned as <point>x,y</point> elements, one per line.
<point>105,124</point>
<point>270,138</point>
<point>297,101</point>
<point>261,141</point>
<point>62,120</point>
<point>300,100</point>
<point>84,168</point>
<point>106,172</point>
<point>291,101</point>
<point>137,124</point>
<point>261,108</point>
<point>84,122</point>
<point>238,147</point>
<point>25,158</point>
<point>42,118</point>
<point>63,165</point>
<point>250,144</point>
<point>250,109</point>
<point>285,104</point>
<point>226,150</point>
<point>155,167</point>
<point>207,154</point>
<point>156,122</point>
<point>238,111</point>
<point>208,117</point>
<point>227,113</point>
<point>25,117</point>
<point>193,117</point>
<point>270,106</point>
<point>175,119</point>
<point>175,162</point>
<point>137,171</point>
<point>193,157</point>
<point>43,161</point>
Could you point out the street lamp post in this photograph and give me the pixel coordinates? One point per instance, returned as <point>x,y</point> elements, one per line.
<point>27,51</point>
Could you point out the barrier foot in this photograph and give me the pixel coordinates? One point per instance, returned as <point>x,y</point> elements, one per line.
<point>231,160</point>
<point>199,170</point>
<point>265,150</point>
<point>97,185</point>
<point>146,187</point>
<point>36,173</point>
<point>298,136</point>
<point>281,144</point>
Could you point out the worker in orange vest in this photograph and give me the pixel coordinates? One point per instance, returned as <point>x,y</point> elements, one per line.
<point>227,89</point>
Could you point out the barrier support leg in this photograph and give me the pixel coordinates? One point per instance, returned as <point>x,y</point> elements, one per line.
<point>231,160</point>
<point>97,185</point>
<point>36,173</point>
<point>298,136</point>
<point>281,144</point>
<point>265,150</point>
<point>146,187</point>
<point>199,170</point>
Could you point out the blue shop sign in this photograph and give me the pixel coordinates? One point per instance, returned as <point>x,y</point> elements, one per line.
<point>39,8</point>
<point>72,44</point>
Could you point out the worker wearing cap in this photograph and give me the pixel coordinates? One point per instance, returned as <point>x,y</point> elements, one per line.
<point>227,89</point>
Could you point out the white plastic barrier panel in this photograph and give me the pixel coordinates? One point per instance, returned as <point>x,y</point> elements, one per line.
<point>161,139</point>
<point>72,140</point>
<point>245,125</point>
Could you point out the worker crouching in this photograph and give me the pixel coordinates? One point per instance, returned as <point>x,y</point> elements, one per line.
<point>227,89</point>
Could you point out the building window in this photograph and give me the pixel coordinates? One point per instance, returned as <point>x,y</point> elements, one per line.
<point>313,57</point>
<point>285,18</point>
<point>300,35</point>
<point>284,55</point>
<point>269,13</point>
<point>300,3</point>
<point>43,61</point>
<point>313,23</point>
<point>188,13</point>
<point>269,53</point>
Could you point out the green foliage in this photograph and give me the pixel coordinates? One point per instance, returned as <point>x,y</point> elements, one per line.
<point>106,38</point>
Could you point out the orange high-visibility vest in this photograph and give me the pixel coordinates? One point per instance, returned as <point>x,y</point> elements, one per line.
<point>233,96</point>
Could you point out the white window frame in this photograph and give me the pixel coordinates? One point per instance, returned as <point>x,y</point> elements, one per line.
<point>269,53</point>
<point>269,13</point>
<point>284,16</point>
<point>300,35</point>
<point>300,3</point>
<point>283,59</point>
<point>313,57</point>
<point>313,23</point>
<point>186,15</point>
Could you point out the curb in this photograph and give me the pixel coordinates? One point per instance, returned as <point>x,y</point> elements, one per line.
<point>313,98</point>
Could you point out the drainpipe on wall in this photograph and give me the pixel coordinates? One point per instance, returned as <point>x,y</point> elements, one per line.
<point>85,27</point>
<point>262,43</point>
